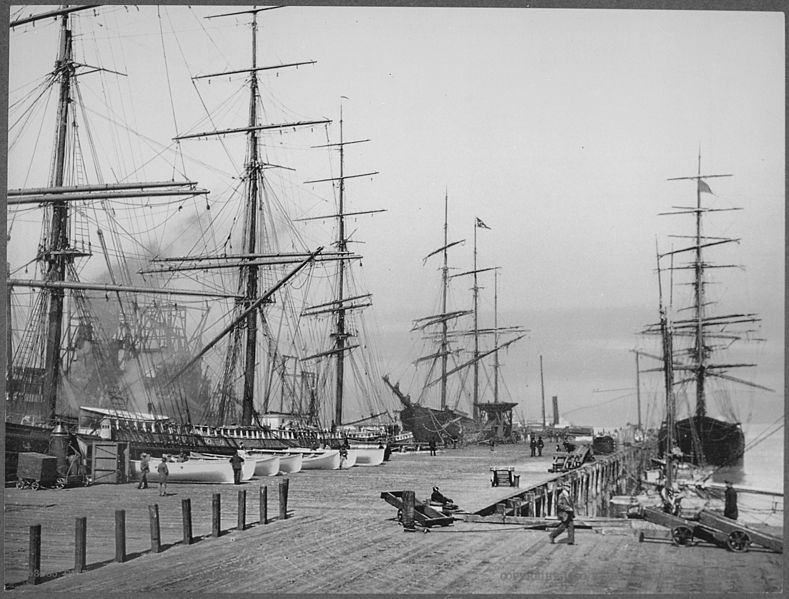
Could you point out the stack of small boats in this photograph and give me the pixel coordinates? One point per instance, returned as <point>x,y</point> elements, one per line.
<point>215,468</point>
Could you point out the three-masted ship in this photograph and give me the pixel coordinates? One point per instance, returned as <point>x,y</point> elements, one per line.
<point>446,422</point>
<point>692,345</point>
<point>148,384</point>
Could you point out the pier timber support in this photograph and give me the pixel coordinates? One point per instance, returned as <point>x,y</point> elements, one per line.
<point>592,487</point>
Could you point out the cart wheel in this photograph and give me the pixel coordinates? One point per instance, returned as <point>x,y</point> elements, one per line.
<point>738,541</point>
<point>34,485</point>
<point>425,530</point>
<point>61,482</point>
<point>20,484</point>
<point>681,535</point>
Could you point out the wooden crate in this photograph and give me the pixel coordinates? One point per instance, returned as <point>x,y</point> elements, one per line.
<point>38,467</point>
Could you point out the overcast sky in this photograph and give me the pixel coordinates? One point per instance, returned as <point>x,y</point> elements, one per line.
<point>558,128</point>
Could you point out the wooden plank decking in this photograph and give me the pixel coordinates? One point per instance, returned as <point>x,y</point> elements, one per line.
<point>342,538</point>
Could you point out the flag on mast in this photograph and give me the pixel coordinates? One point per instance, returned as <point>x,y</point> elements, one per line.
<point>703,187</point>
<point>480,224</point>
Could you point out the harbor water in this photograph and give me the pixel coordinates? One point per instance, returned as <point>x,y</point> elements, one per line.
<point>762,469</point>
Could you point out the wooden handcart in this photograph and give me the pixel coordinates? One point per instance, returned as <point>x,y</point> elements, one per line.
<point>710,527</point>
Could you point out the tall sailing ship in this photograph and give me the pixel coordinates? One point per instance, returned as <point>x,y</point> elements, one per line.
<point>692,346</point>
<point>155,383</point>
<point>450,363</point>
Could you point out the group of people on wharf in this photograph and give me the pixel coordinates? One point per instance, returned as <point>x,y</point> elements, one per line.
<point>536,445</point>
<point>163,471</point>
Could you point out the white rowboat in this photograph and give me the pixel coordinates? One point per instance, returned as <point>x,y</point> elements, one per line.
<point>327,459</point>
<point>370,455</point>
<point>209,470</point>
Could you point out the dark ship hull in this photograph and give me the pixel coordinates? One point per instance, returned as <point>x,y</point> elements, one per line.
<point>722,443</point>
<point>428,424</point>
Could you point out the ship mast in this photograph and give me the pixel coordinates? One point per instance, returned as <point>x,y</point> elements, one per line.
<point>668,377</point>
<point>698,288</point>
<point>475,397</point>
<point>542,393</point>
<point>700,350</point>
<point>56,255</point>
<point>444,286</point>
<point>496,336</point>
<point>342,304</point>
<point>250,273</point>
<point>342,244</point>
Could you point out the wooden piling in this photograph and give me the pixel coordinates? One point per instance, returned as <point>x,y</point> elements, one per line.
<point>587,482</point>
<point>80,544</point>
<point>120,536</point>
<point>283,499</point>
<point>409,502</point>
<point>153,516</point>
<point>216,522</point>
<point>242,510</point>
<point>34,555</point>
<point>186,518</point>
<point>264,505</point>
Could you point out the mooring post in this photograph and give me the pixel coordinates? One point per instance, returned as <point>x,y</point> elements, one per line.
<point>283,499</point>
<point>409,502</point>
<point>585,491</point>
<point>264,505</point>
<point>120,536</point>
<point>242,510</point>
<point>216,523</point>
<point>80,544</point>
<point>153,516</point>
<point>186,518</point>
<point>34,555</point>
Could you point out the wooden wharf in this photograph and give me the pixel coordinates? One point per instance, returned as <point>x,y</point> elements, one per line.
<point>592,485</point>
<point>340,537</point>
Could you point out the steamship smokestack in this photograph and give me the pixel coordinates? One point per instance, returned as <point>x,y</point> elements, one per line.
<point>555,410</point>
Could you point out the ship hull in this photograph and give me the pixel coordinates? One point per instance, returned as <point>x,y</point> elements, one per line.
<point>428,424</point>
<point>722,443</point>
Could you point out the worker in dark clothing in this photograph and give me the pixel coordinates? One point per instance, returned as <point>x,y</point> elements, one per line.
<point>236,462</point>
<point>439,497</point>
<point>432,446</point>
<point>730,509</point>
<point>566,512</point>
<point>540,445</point>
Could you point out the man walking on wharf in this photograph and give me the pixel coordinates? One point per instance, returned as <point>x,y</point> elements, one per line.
<point>566,512</point>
